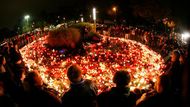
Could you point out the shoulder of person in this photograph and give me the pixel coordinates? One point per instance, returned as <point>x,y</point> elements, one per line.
<point>104,94</point>
<point>91,85</point>
<point>133,95</point>
<point>87,81</point>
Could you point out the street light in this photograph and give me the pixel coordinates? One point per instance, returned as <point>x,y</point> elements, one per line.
<point>26,25</point>
<point>94,16</point>
<point>114,9</point>
<point>185,36</point>
<point>82,19</point>
<point>26,17</point>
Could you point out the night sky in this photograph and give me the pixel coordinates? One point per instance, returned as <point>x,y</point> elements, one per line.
<point>13,10</point>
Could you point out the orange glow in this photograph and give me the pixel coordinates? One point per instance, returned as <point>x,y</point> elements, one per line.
<point>99,64</point>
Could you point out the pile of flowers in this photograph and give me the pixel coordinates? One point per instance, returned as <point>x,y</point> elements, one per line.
<point>99,63</point>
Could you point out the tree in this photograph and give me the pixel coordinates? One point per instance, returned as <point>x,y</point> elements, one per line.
<point>151,8</point>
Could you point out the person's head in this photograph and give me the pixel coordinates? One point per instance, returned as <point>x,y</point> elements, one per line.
<point>74,73</point>
<point>34,79</point>
<point>121,78</point>
<point>12,50</point>
<point>175,56</point>
<point>16,57</point>
<point>182,57</point>
<point>20,74</point>
<point>11,44</point>
<point>2,60</point>
<point>162,84</point>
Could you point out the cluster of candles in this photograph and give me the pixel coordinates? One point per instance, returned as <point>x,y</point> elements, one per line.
<point>99,64</point>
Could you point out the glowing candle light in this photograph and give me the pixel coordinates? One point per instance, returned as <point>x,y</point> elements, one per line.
<point>143,64</point>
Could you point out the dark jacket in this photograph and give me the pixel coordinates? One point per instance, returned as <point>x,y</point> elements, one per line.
<point>6,101</point>
<point>156,100</point>
<point>41,97</point>
<point>82,94</point>
<point>117,97</point>
<point>175,74</point>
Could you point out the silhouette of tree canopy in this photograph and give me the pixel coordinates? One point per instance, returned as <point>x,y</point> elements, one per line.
<point>150,8</point>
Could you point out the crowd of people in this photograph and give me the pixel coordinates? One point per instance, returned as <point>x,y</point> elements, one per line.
<point>162,43</point>
<point>21,88</point>
<point>23,39</point>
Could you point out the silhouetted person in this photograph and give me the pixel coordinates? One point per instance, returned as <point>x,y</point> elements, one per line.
<point>119,96</point>
<point>186,79</point>
<point>5,100</point>
<point>2,64</point>
<point>159,97</point>
<point>174,71</point>
<point>82,93</point>
<point>18,92</point>
<point>38,95</point>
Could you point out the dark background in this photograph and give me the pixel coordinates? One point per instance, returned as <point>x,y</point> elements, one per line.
<point>13,11</point>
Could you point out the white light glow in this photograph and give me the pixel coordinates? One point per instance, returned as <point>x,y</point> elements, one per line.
<point>26,17</point>
<point>114,9</point>
<point>185,36</point>
<point>94,13</point>
<point>82,19</point>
